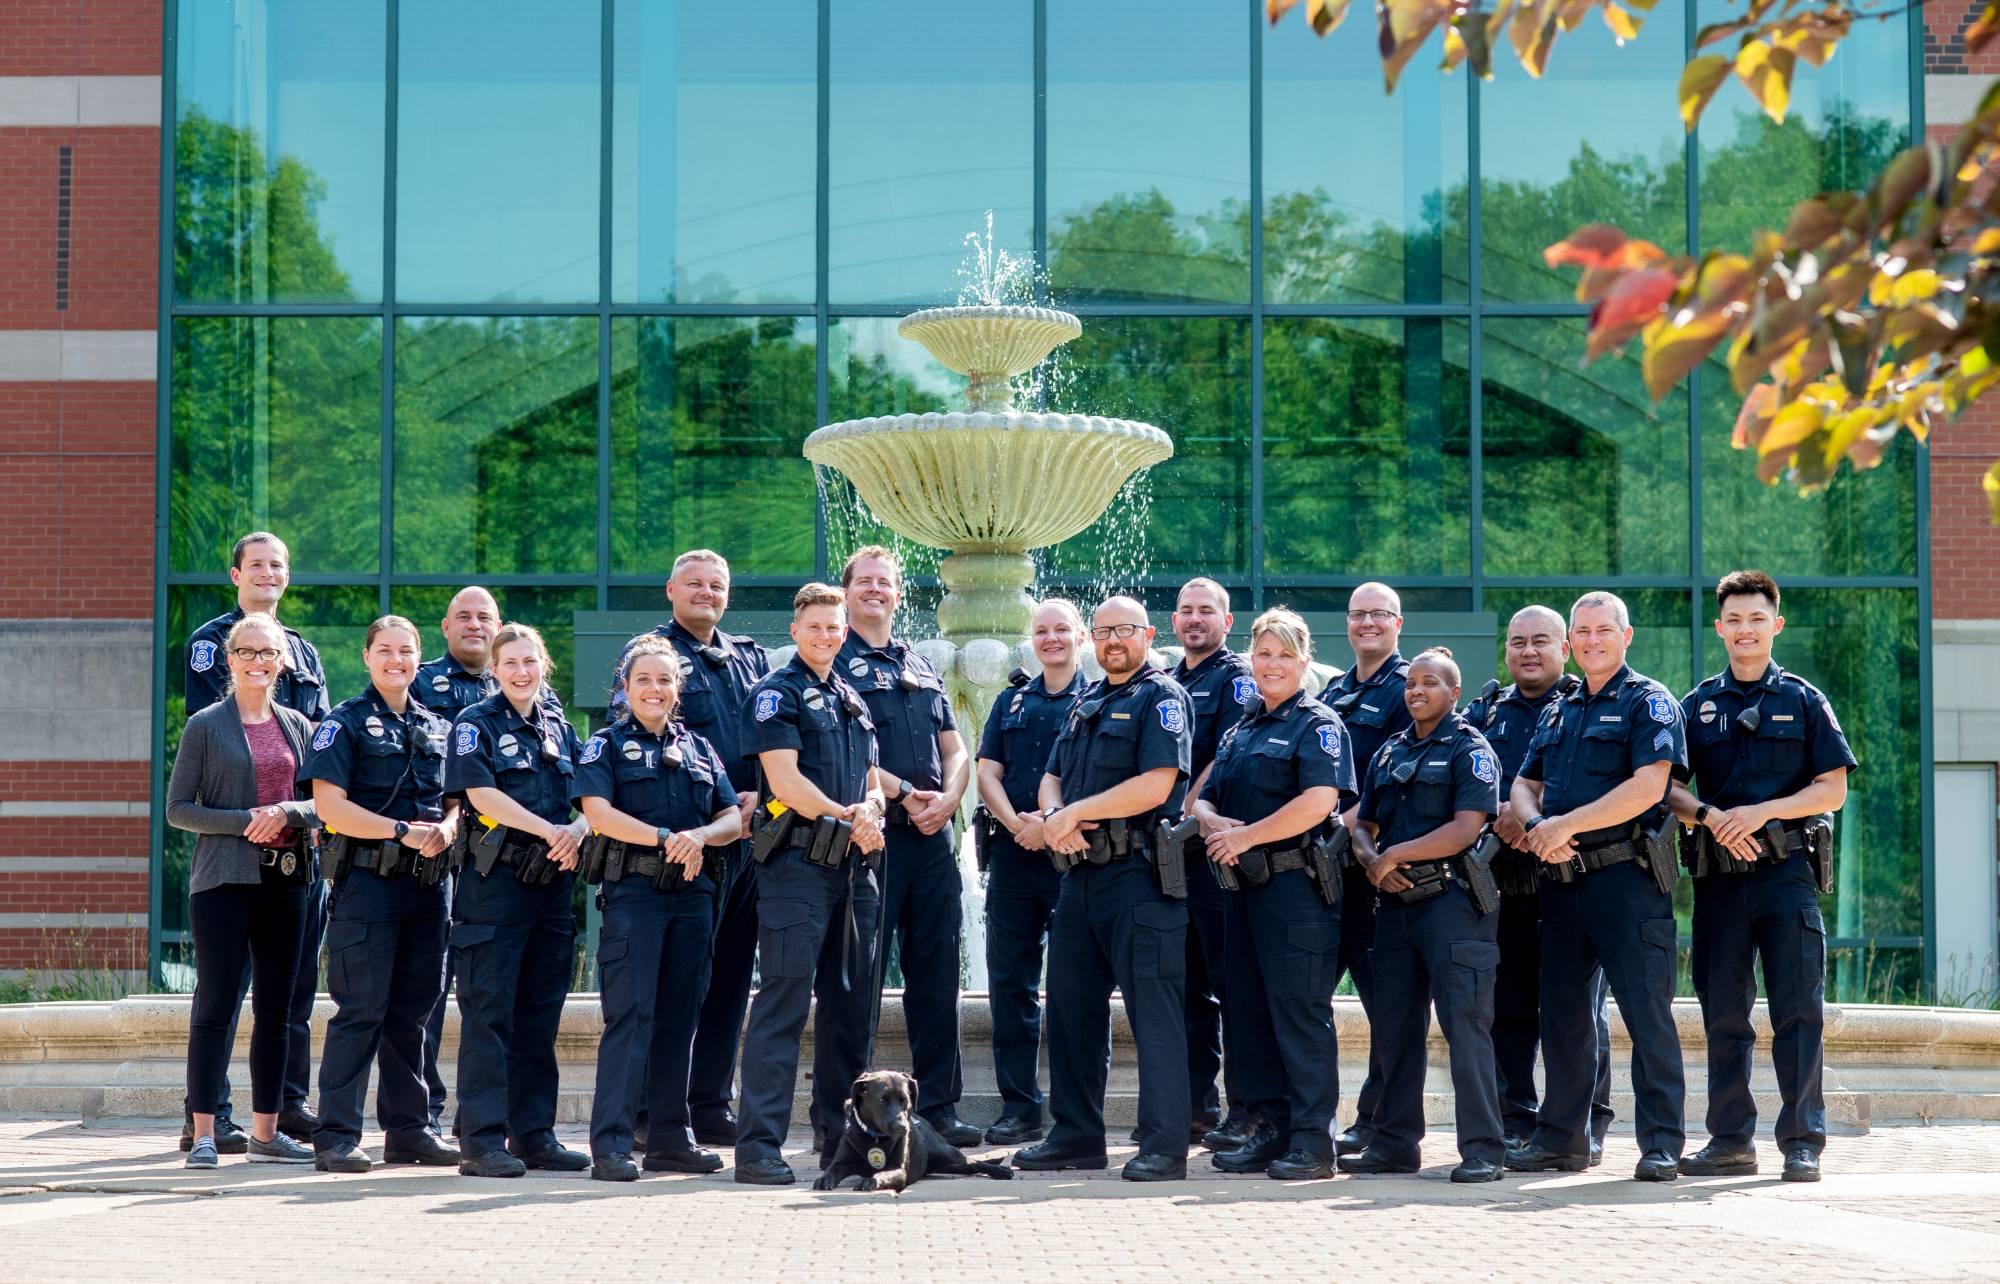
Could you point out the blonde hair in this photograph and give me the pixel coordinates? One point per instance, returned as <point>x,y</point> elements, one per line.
<point>512,632</point>
<point>254,620</point>
<point>876,552</point>
<point>1064,605</point>
<point>817,594</point>
<point>1288,628</point>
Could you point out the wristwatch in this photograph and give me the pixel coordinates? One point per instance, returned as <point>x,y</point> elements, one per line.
<point>1701,814</point>
<point>663,834</point>
<point>1529,828</point>
<point>902,790</point>
<point>402,829</point>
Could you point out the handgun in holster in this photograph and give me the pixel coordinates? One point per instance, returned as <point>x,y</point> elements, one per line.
<point>1170,856</point>
<point>591,856</point>
<point>1476,871</point>
<point>983,834</point>
<point>431,871</point>
<point>1563,872</point>
<point>1656,847</point>
<point>769,828</point>
<point>830,838</point>
<point>1819,850</point>
<point>487,844</point>
<point>1226,876</point>
<point>1326,861</point>
<point>334,855</point>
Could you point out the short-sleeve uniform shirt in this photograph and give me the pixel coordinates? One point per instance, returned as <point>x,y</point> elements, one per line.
<point>1021,730</point>
<point>1220,691</point>
<point>906,702</point>
<point>302,686</point>
<point>1373,710</point>
<point>823,719</point>
<point>1117,732</point>
<point>1588,744</point>
<point>532,760</point>
<point>1795,737</point>
<point>391,764</point>
<point>1272,756</point>
<point>1416,785</point>
<point>671,780</point>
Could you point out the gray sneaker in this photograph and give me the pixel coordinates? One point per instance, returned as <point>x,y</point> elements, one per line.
<point>280,1149</point>
<point>202,1153</point>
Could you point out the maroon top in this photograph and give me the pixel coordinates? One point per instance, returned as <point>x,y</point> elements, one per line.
<point>276,768</point>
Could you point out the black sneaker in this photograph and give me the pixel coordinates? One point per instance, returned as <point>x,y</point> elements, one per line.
<point>1801,1164</point>
<point>229,1139</point>
<point>1300,1165</point>
<point>280,1149</point>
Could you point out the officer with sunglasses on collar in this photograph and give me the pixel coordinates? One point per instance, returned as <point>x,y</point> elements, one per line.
<point>1119,766</point>
<point>1772,764</point>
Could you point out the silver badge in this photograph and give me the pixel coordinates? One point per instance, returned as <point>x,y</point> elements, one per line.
<point>878,1157</point>
<point>814,698</point>
<point>508,744</point>
<point>289,863</point>
<point>1708,711</point>
<point>672,756</point>
<point>373,725</point>
<point>440,683</point>
<point>632,751</point>
<point>858,667</point>
<point>687,666</point>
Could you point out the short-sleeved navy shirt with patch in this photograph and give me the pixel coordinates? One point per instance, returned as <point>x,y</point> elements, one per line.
<point>448,688</point>
<point>716,677</point>
<point>1587,745</point>
<point>1220,691</point>
<point>1508,721</point>
<point>1414,785</point>
<point>531,760</point>
<point>1373,710</point>
<point>906,702</point>
<point>1117,732</point>
<point>1796,738</point>
<point>302,686</point>
<point>1021,730</point>
<point>1272,756</point>
<point>391,764</point>
<point>674,780</point>
<point>824,719</point>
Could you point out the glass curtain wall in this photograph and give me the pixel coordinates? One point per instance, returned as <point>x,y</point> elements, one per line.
<point>539,292</point>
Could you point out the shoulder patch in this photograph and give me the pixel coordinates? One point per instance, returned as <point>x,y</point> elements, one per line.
<point>1172,717</point>
<point>1826,707</point>
<point>1329,741</point>
<point>1664,740</point>
<point>1484,767</point>
<point>592,751</point>
<point>468,738</point>
<point>1661,706</point>
<point>201,656</point>
<point>767,705</point>
<point>1245,690</point>
<point>324,736</point>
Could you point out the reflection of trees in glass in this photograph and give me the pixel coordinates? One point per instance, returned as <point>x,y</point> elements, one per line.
<point>246,232</point>
<point>1135,246</point>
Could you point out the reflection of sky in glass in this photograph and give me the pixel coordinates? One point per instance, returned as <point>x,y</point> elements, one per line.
<point>305,78</point>
<point>931,119</point>
<point>497,151</point>
<point>713,132</point>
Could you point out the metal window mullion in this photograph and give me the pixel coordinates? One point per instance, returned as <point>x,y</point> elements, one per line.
<point>607,67</point>
<point>1039,54</point>
<point>1475,431</point>
<point>386,541</point>
<point>1255,16</point>
<point>822,235</point>
<point>1691,185</point>
<point>163,463</point>
<point>1926,744</point>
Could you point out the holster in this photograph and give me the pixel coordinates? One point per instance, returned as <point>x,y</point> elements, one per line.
<point>487,845</point>
<point>1656,853</point>
<point>1226,876</point>
<point>334,855</point>
<point>430,871</point>
<point>534,868</point>
<point>1326,861</point>
<point>768,832</point>
<point>1515,871</point>
<point>830,838</point>
<point>1428,879</point>
<point>1253,867</point>
<point>1564,872</point>
<point>984,830</point>
<point>1170,857</point>
<point>1476,869</point>
<point>671,877</point>
<point>591,857</point>
<point>395,859</point>
<point>1819,850</point>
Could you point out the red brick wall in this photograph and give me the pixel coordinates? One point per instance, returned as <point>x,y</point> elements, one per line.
<point>80,38</point>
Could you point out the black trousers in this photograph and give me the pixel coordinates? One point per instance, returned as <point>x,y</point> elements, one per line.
<point>261,921</point>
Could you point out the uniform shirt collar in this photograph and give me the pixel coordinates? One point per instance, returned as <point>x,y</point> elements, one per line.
<point>1768,681</point>
<point>1258,713</point>
<point>1145,670</point>
<point>675,630</point>
<point>1584,695</point>
<point>1387,670</point>
<point>381,706</point>
<point>1444,732</point>
<point>1040,683</point>
<point>1512,695</point>
<point>804,670</point>
<point>1220,655</point>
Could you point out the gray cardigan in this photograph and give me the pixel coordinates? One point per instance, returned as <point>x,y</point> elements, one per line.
<point>214,786</point>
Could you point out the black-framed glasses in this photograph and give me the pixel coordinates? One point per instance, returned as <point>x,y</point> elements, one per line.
<point>1378,616</point>
<point>1105,632</point>
<point>249,655</point>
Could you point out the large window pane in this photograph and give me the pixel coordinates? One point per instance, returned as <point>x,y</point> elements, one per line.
<point>708,416</point>
<point>1365,448</point>
<point>1662,647</point>
<point>277,426</point>
<point>1596,140</point>
<point>496,445</point>
<point>550,610</point>
<point>712,135</point>
<point>1372,210</point>
<point>931,122</point>
<point>497,151</point>
<point>1584,475</point>
<point>278,151</point>
<point>1148,150</point>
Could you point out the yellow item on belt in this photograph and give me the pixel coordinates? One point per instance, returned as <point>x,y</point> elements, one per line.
<point>776,808</point>
<point>489,822</point>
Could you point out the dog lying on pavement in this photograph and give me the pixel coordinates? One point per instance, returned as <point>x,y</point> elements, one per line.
<point>889,1146</point>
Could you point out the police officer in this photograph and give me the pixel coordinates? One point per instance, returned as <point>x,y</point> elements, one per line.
<point>659,791</point>
<point>1770,760</point>
<point>924,771</point>
<point>817,899</point>
<point>448,686</point>
<point>1119,766</point>
<point>512,930</point>
<point>260,568</point>
<point>717,671</point>
<point>1369,700</point>
<point>1591,796</point>
<point>1431,791</point>
<point>377,772</point>
<point>1278,777</point>
<point>1537,647</point>
<point>1219,687</point>
<point>1022,884</point>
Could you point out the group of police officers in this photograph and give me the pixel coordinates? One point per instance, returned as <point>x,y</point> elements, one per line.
<point>1213,841</point>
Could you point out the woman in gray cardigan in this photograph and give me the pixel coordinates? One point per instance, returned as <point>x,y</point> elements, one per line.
<point>234,784</point>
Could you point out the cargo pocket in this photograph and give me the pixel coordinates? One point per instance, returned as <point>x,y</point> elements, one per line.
<point>1470,980</point>
<point>1659,938</point>
<point>347,970</point>
<point>1159,941</point>
<point>785,944</point>
<point>1812,942</point>
<point>1314,949</point>
<point>470,960</point>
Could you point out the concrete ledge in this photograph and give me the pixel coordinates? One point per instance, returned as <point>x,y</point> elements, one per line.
<point>127,1059</point>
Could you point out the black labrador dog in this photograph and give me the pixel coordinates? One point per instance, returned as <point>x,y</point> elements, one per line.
<point>888,1145</point>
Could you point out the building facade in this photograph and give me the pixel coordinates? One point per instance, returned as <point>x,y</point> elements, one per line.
<point>534,293</point>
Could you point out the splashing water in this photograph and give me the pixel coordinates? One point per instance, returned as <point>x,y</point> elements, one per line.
<point>993,277</point>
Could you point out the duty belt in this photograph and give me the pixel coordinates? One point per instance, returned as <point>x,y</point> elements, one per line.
<point>291,862</point>
<point>1284,862</point>
<point>1593,859</point>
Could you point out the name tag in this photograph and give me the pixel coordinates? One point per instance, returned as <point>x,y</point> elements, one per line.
<point>1122,717</point>
<point>1781,717</point>
<point>1278,743</point>
<point>1610,717</point>
<point>1371,708</point>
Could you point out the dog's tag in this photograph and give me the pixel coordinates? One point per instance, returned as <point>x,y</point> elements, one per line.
<point>878,1157</point>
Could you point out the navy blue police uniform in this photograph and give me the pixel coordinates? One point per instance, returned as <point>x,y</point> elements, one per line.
<point>1432,945</point>
<point>513,940</point>
<point>1770,912</point>
<point>1219,689</point>
<point>1114,927</point>
<point>716,677</point>
<point>816,924</point>
<point>447,689</point>
<point>1021,890</point>
<point>1613,917</point>
<point>922,889</point>
<point>302,686</point>
<point>1507,719</point>
<point>1373,710</point>
<point>385,936</point>
<point>1283,939</point>
<point>654,951</point>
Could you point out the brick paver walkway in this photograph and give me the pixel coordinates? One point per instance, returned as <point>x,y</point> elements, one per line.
<point>113,1203</point>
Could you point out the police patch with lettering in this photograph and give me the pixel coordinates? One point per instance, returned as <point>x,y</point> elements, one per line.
<point>1329,741</point>
<point>201,656</point>
<point>468,738</point>
<point>324,736</point>
<point>1172,717</point>
<point>1245,691</point>
<point>592,751</point>
<point>1661,706</point>
<point>767,705</point>
<point>1484,767</point>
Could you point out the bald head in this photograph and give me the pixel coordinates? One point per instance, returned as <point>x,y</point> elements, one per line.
<point>1374,625</point>
<point>1121,656</point>
<point>1537,645</point>
<point>469,625</point>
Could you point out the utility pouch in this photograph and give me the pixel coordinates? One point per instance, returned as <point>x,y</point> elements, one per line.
<point>486,846</point>
<point>769,831</point>
<point>591,857</point>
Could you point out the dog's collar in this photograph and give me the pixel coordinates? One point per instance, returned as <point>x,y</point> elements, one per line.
<point>854,1121</point>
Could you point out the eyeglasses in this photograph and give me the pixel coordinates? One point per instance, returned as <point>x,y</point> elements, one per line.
<point>1377,616</point>
<point>247,655</point>
<point>1108,631</point>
